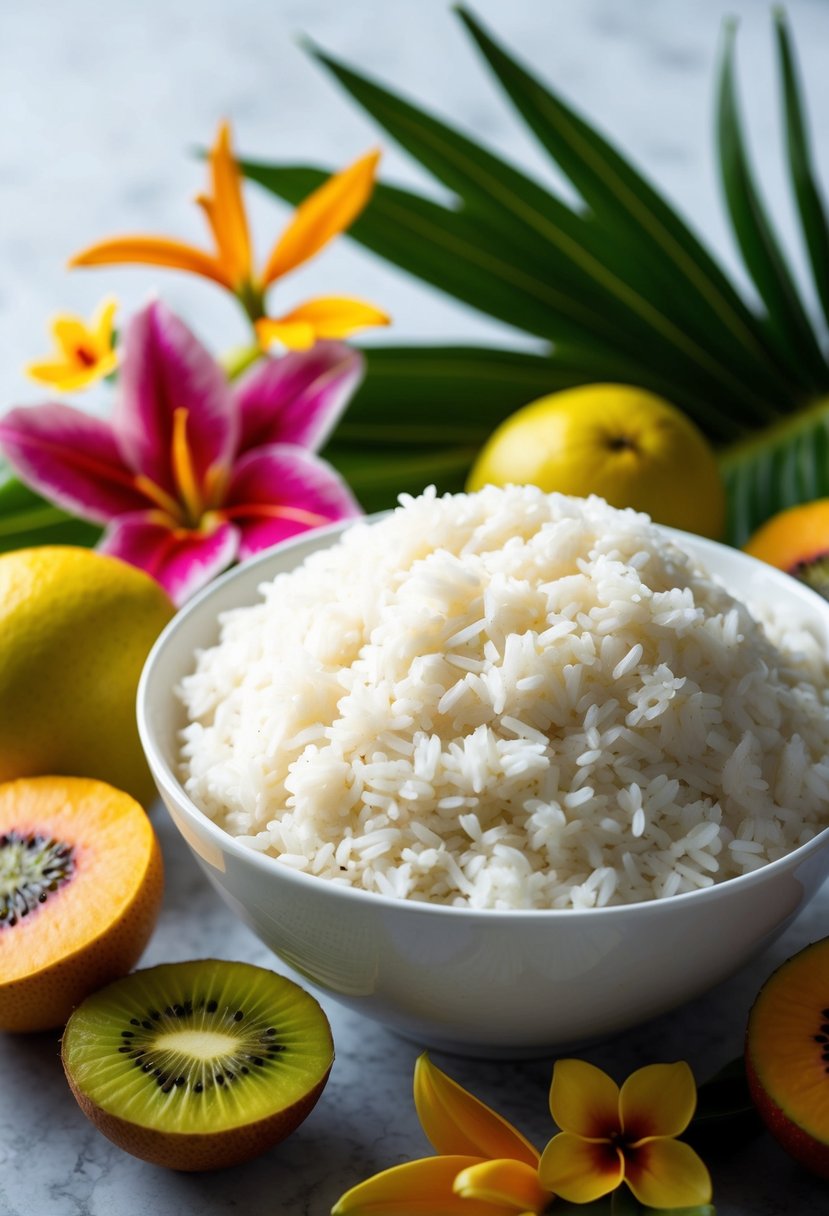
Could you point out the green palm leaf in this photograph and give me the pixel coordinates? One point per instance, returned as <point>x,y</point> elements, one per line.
<point>27,520</point>
<point>522,212</point>
<point>637,217</point>
<point>761,252</point>
<point>776,468</point>
<point>460,255</point>
<point>806,190</point>
<point>422,414</point>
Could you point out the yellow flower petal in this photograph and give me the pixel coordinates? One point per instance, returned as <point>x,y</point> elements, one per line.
<point>102,323</point>
<point>323,215</point>
<point>67,378</point>
<point>512,1183</point>
<point>665,1173</point>
<point>456,1122</point>
<point>83,352</point>
<point>70,333</point>
<point>226,210</point>
<point>325,317</point>
<point>580,1170</point>
<point>152,251</point>
<point>418,1188</point>
<point>658,1100</point>
<point>296,335</point>
<point>583,1099</point>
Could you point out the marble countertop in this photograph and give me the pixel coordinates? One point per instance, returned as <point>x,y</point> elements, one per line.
<point>103,104</point>
<point>54,1163</point>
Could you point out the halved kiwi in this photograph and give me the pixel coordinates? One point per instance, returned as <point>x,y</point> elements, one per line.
<point>198,1065</point>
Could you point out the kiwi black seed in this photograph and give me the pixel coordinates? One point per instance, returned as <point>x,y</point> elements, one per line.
<point>198,1065</point>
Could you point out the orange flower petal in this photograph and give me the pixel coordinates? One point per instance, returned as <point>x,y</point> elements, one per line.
<point>206,204</point>
<point>658,1100</point>
<point>583,1099</point>
<point>325,317</point>
<point>324,214</point>
<point>456,1122</point>
<point>580,1170</point>
<point>665,1173</point>
<point>418,1188</point>
<point>512,1183</point>
<point>152,251</point>
<point>226,210</point>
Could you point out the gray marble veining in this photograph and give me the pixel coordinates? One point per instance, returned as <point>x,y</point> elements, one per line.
<point>102,103</point>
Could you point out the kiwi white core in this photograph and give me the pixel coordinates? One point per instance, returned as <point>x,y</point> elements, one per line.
<point>200,1044</point>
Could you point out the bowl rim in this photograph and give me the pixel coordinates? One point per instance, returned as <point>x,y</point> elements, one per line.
<point>170,785</point>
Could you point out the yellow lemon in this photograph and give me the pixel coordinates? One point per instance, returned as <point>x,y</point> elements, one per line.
<point>75,629</point>
<point>623,443</point>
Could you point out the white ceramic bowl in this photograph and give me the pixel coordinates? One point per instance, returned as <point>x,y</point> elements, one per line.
<point>477,982</point>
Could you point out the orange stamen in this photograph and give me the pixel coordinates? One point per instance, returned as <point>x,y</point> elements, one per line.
<point>160,497</point>
<point>183,471</point>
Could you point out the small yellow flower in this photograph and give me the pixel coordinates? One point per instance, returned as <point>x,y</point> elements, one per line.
<point>83,352</point>
<point>610,1136</point>
<point>484,1167</point>
<point>324,214</point>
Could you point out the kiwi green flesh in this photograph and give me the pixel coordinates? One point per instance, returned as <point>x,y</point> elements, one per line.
<point>198,1047</point>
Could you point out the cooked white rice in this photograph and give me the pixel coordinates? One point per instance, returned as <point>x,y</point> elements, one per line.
<point>509,700</point>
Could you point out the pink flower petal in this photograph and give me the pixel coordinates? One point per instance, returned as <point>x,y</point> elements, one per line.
<point>298,398</point>
<point>181,560</point>
<point>72,459</point>
<point>279,491</point>
<point>165,368</point>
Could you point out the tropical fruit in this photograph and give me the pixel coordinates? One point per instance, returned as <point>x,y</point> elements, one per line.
<point>81,881</point>
<point>797,541</point>
<point>198,1065</point>
<point>75,629</point>
<point>787,1056</point>
<point>622,443</point>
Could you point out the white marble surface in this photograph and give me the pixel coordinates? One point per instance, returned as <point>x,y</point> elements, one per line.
<point>101,103</point>
<point>54,1163</point>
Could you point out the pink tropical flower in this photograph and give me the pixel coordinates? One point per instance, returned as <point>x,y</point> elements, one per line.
<point>192,473</point>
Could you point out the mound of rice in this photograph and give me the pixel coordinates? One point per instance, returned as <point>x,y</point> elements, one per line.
<point>509,700</point>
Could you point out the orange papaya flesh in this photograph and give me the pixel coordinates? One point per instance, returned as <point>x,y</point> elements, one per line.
<point>787,1056</point>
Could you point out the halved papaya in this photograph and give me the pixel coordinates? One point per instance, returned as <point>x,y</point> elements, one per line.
<point>787,1056</point>
<point>797,541</point>
<point>81,880</point>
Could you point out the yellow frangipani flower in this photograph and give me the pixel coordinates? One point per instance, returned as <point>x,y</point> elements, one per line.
<point>609,1136</point>
<point>324,214</point>
<point>484,1167</point>
<point>83,351</point>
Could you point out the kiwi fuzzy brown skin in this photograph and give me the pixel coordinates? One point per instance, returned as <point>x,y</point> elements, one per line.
<point>141,1015</point>
<point>191,1152</point>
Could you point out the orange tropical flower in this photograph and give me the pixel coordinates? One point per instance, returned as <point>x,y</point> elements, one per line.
<point>83,351</point>
<point>609,1136</point>
<point>484,1167</point>
<point>324,214</point>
